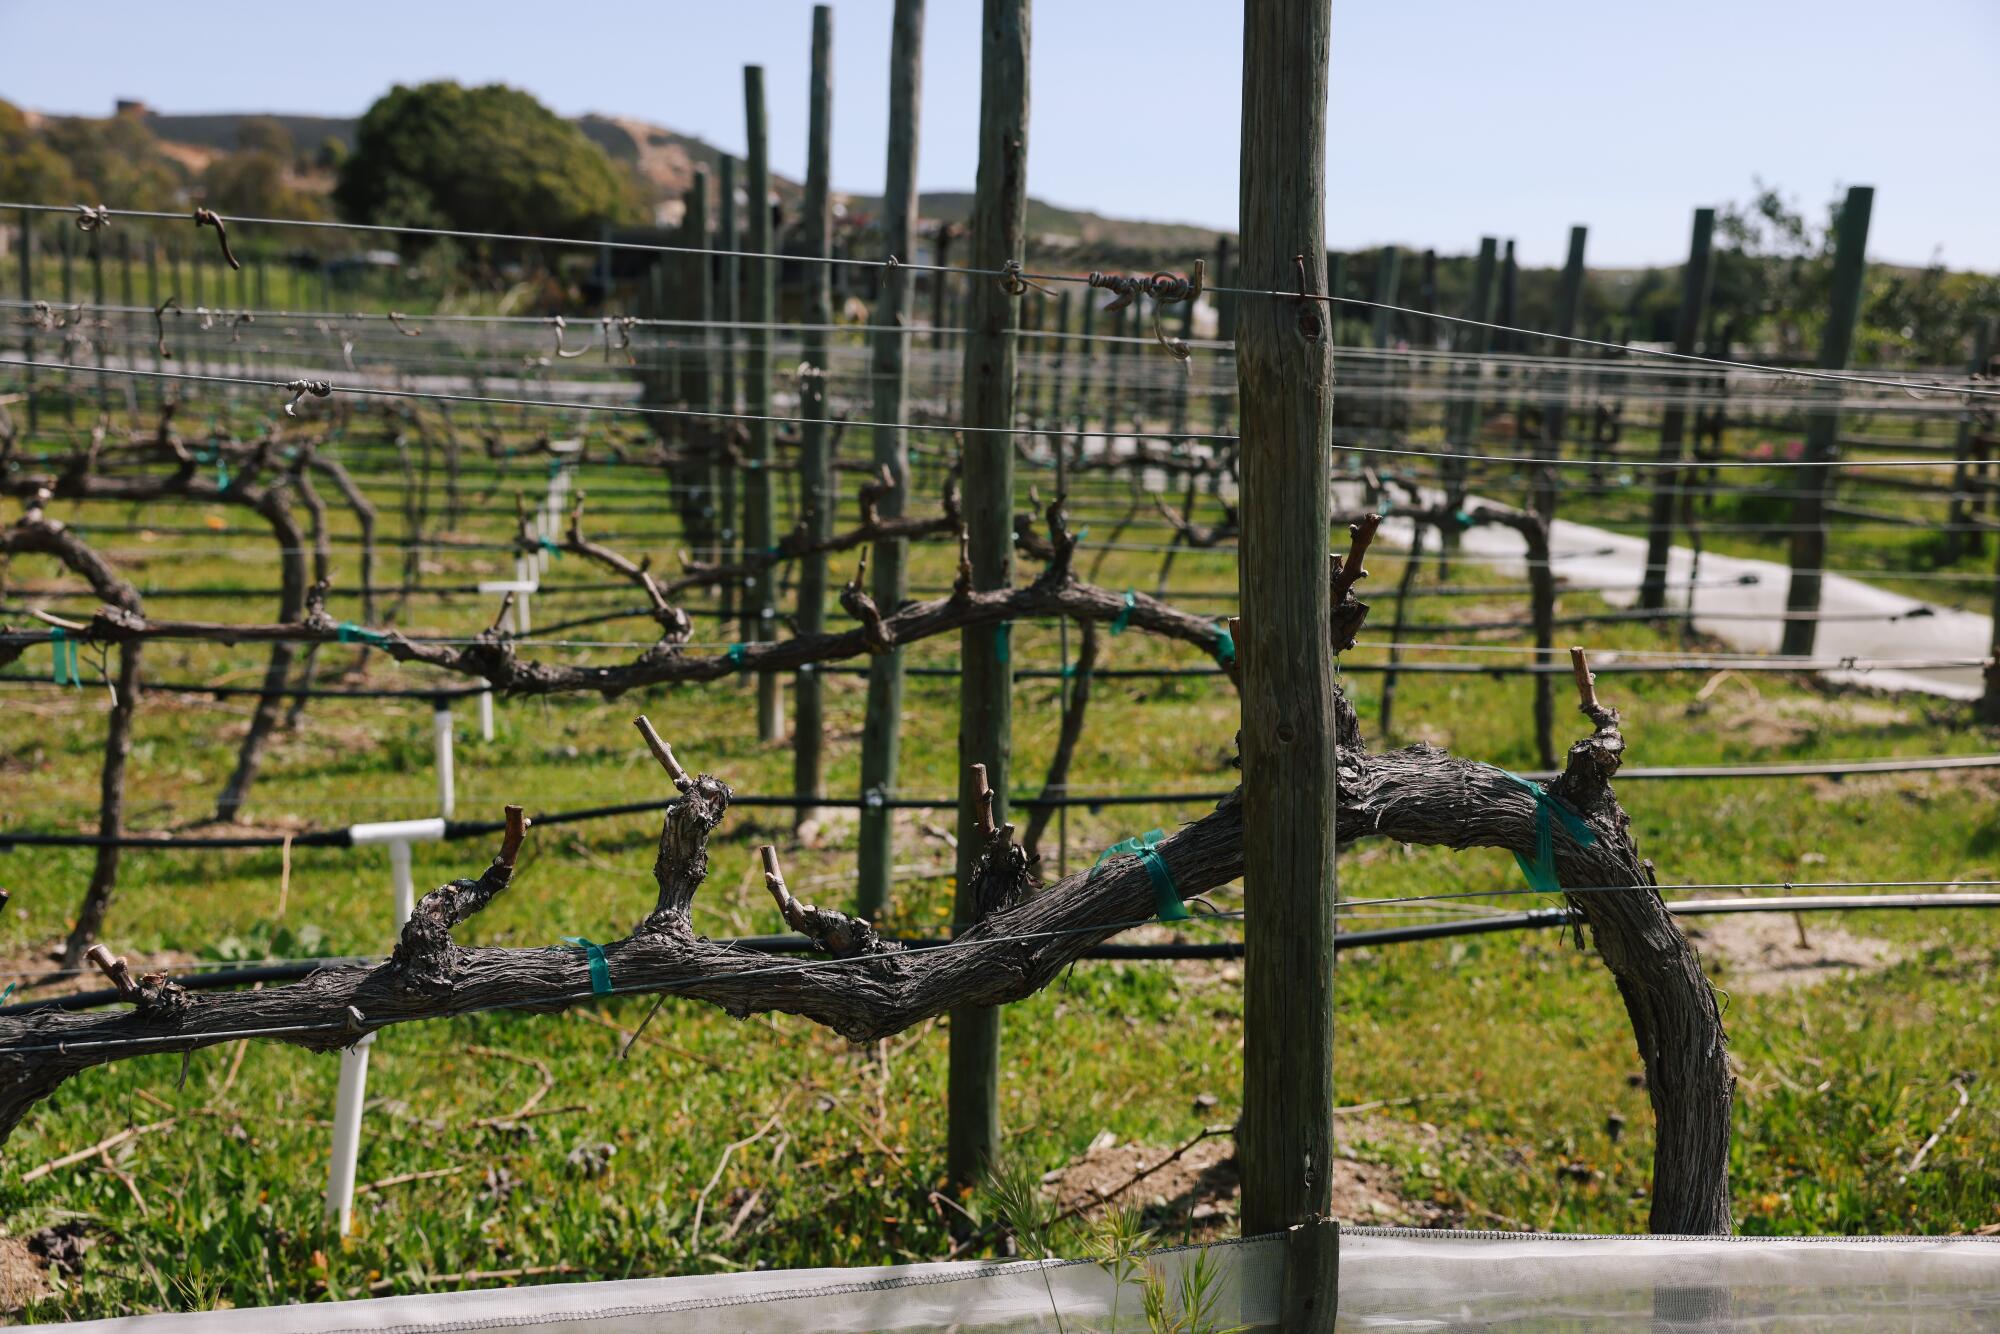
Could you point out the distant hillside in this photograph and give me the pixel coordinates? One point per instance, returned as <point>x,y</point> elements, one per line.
<point>217,130</point>
<point>664,161</point>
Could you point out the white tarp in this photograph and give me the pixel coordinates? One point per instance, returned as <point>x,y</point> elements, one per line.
<point>1390,1279</point>
<point>1616,562</point>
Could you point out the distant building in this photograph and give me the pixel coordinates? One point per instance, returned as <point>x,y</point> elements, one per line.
<point>131,108</point>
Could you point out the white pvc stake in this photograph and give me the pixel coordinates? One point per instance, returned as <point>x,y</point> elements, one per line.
<point>406,891</point>
<point>352,1096</point>
<point>441,737</point>
<point>347,1106</point>
<point>485,715</point>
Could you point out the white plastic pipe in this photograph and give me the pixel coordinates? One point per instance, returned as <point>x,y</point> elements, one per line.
<point>353,1092</point>
<point>485,715</point>
<point>347,1105</point>
<point>441,739</point>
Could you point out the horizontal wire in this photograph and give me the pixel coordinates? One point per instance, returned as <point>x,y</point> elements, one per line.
<point>894,263</point>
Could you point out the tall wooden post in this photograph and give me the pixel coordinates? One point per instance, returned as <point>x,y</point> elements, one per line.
<point>1284,368</point>
<point>817,497</point>
<point>1555,408</point>
<point>1850,243</point>
<point>986,705</point>
<point>881,731</point>
<point>1965,508</point>
<point>699,380</point>
<point>1463,437</point>
<point>760,618</point>
<point>729,309</point>
<point>1388,273</point>
<point>1696,280</point>
<point>1542,498</point>
<point>27,257</point>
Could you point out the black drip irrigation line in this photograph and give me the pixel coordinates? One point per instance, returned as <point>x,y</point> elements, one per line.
<point>1535,919</point>
<point>462,829</point>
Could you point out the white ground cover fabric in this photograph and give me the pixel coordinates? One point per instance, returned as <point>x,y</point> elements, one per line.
<point>1390,1279</point>
<point>1594,558</point>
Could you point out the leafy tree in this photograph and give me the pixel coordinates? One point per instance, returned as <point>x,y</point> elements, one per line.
<point>252,182</point>
<point>115,161</point>
<point>30,170</point>
<point>489,159</point>
<point>264,134</point>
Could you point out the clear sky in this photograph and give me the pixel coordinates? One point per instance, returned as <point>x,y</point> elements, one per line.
<point>1449,118</point>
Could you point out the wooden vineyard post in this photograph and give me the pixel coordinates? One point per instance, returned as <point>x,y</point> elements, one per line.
<point>1543,493</point>
<point>817,496</point>
<point>1696,279</point>
<point>1850,243</point>
<point>1462,437</point>
<point>728,309</point>
<point>1284,369</point>
<point>1965,509</point>
<point>760,618</point>
<point>881,731</point>
<point>985,715</point>
<point>700,380</point>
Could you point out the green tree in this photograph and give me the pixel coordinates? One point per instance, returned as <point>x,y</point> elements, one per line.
<point>487,159</point>
<point>253,183</point>
<point>30,170</point>
<point>265,134</point>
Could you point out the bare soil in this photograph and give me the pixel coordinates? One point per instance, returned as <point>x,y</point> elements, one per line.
<point>1762,953</point>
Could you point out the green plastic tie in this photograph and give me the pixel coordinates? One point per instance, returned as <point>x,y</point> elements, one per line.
<point>1003,642</point>
<point>1125,616</point>
<point>1461,518</point>
<point>548,544</point>
<point>1388,504</point>
<point>1541,870</point>
<point>347,632</point>
<point>735,655</point>
<point>600,968</point>
<point>1166,898</point>
<point>64,671</point>
<point>1225,644</point>
<point>8,992</point>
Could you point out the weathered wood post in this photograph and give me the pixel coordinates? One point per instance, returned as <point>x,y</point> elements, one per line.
<point>27,257</point>
<point>817,496</point>
<point>985,713</point>
<point>1966,506</point>
<point>1850,243</point>
<point>1697,277</point>
<point>1468,412</point>
<point>729,309</point>
<point>760,617</point>
<point>1285,403</point>
<point>881,731</point>
<point>1542,498</point>
<point>700,380</point>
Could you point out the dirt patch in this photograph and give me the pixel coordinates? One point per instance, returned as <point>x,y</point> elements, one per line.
<point>30,967</point>
<point>22,1278</point>
<point>1746,716</point>
<point>1199,1184</point>
<point>1761,953</point>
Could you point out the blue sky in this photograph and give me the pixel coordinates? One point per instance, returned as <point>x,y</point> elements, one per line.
<point>1448,118</point>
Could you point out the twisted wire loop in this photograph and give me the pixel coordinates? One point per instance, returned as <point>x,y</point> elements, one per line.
<point>567,354</point>
<point>92,219</point>
<point>1164,287</point>
<point>205,217</point>
<point>1016,283</point>
<point>622,325</point>
<point>300,388</point>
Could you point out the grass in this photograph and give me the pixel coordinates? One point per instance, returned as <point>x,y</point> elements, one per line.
<point>1516,1044</point>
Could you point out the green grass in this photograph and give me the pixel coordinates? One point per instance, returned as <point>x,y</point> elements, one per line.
<point>1516,1044</point>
